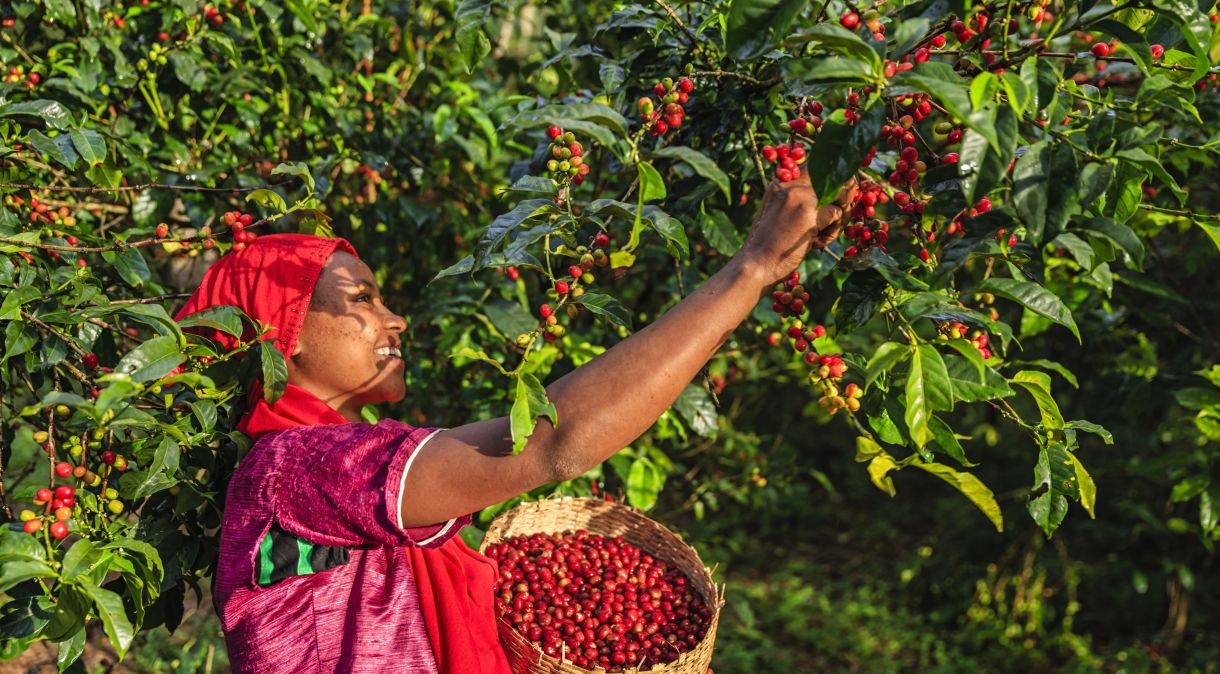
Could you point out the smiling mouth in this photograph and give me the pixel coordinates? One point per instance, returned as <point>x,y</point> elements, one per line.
<point>389,352</point>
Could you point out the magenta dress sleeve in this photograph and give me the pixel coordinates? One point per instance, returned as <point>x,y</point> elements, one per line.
<point>341,485</point>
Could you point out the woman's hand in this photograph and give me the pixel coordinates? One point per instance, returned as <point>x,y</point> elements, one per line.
<point>790,222</point>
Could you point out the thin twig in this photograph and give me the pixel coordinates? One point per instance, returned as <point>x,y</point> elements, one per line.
<point>694,39</point>
<point>735,75</point>
<point>132,188</point>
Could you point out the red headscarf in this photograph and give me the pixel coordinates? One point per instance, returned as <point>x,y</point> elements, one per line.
<point>272,280</point>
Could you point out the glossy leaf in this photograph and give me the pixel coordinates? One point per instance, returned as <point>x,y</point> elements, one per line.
<point>150,360</point>
<point>1033,297</point>
<point>530,403</point>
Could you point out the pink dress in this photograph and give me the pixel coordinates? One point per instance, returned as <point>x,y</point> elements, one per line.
<point>313,575</point>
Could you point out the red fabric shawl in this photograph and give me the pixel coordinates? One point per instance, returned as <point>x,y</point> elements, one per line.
<point>272,280</point>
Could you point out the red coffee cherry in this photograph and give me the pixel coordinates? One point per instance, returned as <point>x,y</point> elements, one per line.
<point>162,230</point>
<point>108,457</point>
<point>1157,51</point>
<point>850,20</point>
<point>59,530</point>
<point>1100,49</point>
<point>89,360</point>
<point>64,491</point>
<point>32,527</point>
<point>63,469</point>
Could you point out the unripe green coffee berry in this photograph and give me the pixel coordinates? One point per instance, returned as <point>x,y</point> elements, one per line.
<point>586,277</point>
<point>111,493</point>
<point>115,507</point>
<point>523,339</point>
<point>63,410</point>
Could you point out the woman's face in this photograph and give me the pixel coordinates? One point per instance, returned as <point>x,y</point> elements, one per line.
<point>348,353</point>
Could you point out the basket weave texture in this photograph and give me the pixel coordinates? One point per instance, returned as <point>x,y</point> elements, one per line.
<point>555,516</point>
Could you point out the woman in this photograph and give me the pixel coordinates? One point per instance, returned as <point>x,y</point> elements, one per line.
<point>338,547</point>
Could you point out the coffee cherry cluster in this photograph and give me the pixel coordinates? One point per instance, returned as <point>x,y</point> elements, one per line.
<point>789,298</point>
<point>237,222</point>
<point>567,163</point>
<point>568,287</point>
<point>213,16</point>
<point>597,601</point>
<point>872,20</point>
<point>670,113</point>
<point>789,157</point>
<point>955,330</point>
<point>17,74</point>
<point>808,118</point>
<point>832,401</point>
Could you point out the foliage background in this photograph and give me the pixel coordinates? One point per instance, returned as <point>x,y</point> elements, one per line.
<point>404,116</point>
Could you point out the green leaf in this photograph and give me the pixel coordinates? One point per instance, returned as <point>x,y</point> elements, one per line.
<point>226,319</point>
<point>467,352</point>
<point>89,145</point>
<point>151,360</point>
<point>274,369</point>
<point>840,148</point>
<point>696,408</point>
<point>752,26</point>
<point>24,617</point>
<point>59,148</point>
<point>471,17</point>
<point>1030,184</point>
<point>946,440</point>
<point>130,266</point>
<point>720,232</point>
<point>1151,164</point>
<point>160,473</point>
<point>918,408</point>
<point>1196,28</point>
<point>835,38</point>
<point>670,229</point>
<point>50,112</point>
<point>885,357</point>
<point>531,402</point>
<point>1039,386</point>
<point>879,469</point>
<point>1051,365</point>
<point>1084,482</point>
<point>971,353</point>
<point>298,169</point>
<point>571,116</point>
<point>21,570</point>
<point>79,559</point>
<point>936,378</point>
<point>966,387</point>
<point>268,199</point>
<point>1212,231</point>
<point>70,650</point>
<point>866,448</point>
<point>971,487</point>
<point>804,76</point>
<point>109,607</point>
<point>1033,297</point>
<point>652,185</point>
<point>700,163</point>
<point>505,223</point>
<point>644,483</point>
<point>607,306</point>
<point>16,298</point>
<point>984,160</point>
<point>1081,251</point>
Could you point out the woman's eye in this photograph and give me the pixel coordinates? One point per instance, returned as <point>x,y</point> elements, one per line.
<point>363,298</point>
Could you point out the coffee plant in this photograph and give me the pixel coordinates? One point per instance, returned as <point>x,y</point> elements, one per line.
<point>532,184</point>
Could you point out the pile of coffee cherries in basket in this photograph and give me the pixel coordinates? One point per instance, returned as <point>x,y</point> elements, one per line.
<point>597,600</point>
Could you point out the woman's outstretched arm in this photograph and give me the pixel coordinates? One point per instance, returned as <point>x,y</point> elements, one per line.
<point>610,401</point>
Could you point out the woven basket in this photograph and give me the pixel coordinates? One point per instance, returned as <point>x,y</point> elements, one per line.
<point>554,516</point>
